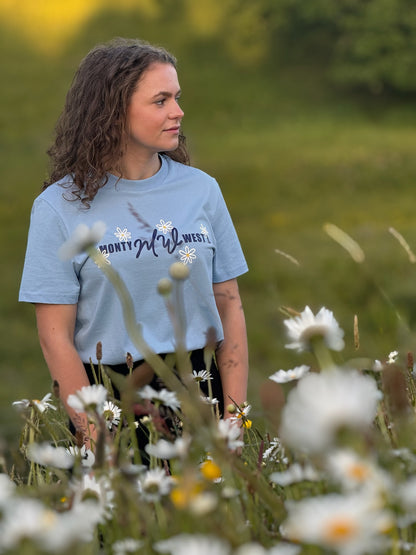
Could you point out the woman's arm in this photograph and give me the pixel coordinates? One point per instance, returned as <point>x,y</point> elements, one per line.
<point>56,326</point>
<point>232,354</point>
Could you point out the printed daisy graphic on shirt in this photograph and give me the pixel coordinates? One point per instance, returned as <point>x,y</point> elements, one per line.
<point>122,234</point>
<point>203,230</point>
<point>106,256</point>
<point>187,255</point>
<point>164,227</point>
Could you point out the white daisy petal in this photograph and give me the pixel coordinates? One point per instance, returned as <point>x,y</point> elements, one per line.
<point>284,376</point>
<point>322,404</point>
<point>82,238</point>
<point>303,328</point>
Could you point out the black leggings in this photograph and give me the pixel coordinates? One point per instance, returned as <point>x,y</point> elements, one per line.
<point>197,363</point>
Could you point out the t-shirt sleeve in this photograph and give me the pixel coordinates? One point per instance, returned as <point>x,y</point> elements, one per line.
<point>229,261</point>
<point>46,278</point>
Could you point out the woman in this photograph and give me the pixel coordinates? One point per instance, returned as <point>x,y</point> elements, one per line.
<point>119,157</point>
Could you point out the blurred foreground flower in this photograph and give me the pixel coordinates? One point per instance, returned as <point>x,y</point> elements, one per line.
<point>164,449</point>
<point>306,327</point>
<point>89,398</point>
<point>86,456</point>
<point>188,544</point>
<point>350,525</point>
<point>46,455</point>
<point>322,404</point>
<point>98,491</point>
<point>82,238</point>
<point>161,397</point>
<point>128,545</point>
<point>357,473</point>
<point>295,473</point>
<point>230,431</point>
<point>27,520</point>
<point>278,549</point>
<point>154,484</point>
<point>7,488</point>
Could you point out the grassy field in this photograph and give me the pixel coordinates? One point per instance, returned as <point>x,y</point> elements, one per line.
<point>290,154</point>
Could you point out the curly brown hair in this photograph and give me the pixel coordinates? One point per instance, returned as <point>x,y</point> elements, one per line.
<point>90,130</point>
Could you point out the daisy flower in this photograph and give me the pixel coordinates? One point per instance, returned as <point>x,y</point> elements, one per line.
<point>128,545</point>
<point>392,358</point>
<point>406,493</point>
<point>210,470</point>
<point>21,405</point>
<point>209,400</point>
<point>82,238</point>
<point>111,414</point>
<point>230,431</point>
<point>164,449</point>
<point>295,473</point>
<point>88,398</point>
<point>25,519</point>
<point>189,544</point>
<point>154,484</point>
<point>201,375</point>
<point>70,527</point>
<point>349,525</point>
<point>275,451</point>
<point>7,488</point>
<point>41,405</point>
<point>278,549</point>
<point>241,417</point>
<point>321,404</point>
<point>285,376</point>
<point>46,455</point>
<point>304,328</point>
<point>161,397</point>
<point>97,490</point>
<point>86,456</point>
<point>355,473</point>
<point>44,403</point>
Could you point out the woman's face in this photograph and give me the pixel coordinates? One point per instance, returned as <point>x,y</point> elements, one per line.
<point>154,115</point>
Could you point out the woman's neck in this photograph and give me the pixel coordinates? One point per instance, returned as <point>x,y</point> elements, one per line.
<point>136,169</point>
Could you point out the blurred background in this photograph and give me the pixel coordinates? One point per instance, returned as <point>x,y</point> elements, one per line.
<point>303,111</point>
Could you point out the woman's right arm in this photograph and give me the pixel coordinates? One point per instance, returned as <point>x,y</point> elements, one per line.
<point>56,326</point>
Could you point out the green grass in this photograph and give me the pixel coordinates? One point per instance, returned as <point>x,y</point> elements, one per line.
<point>290,154</point>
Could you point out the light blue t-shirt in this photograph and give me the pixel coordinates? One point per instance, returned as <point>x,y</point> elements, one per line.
<point>178,214</point>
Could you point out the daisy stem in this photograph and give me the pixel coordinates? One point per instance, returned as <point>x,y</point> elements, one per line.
<point>322,353</point>
<point>185,388</point>
<point>133,328</point>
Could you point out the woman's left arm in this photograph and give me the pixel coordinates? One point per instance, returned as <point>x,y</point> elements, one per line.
<point>232,353</point>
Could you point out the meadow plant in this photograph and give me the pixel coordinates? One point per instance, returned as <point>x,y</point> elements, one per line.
<point>333,470</point>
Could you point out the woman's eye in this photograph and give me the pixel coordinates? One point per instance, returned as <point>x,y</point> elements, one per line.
<point>161,102</point>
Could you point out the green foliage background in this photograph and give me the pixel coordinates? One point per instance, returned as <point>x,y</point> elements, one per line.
<point>271,112</point>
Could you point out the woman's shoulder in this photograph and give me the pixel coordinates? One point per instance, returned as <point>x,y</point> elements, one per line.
<point>58,195</point>
<point>55,190</point>
<point>178,169</point>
